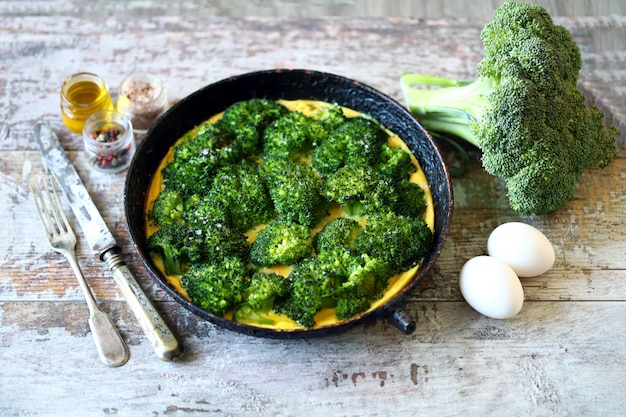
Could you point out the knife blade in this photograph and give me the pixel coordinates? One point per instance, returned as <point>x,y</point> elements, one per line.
<point>104,245</point>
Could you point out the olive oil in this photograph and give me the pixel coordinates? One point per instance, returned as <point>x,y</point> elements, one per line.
<point>82,95</point>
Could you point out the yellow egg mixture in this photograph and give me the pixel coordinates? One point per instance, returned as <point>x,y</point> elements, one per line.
<point>326,317</point>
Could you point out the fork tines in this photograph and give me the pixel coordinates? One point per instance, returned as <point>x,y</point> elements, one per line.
<point>49,206</point>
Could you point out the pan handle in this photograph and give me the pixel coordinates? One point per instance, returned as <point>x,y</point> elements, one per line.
<point>402,320</point>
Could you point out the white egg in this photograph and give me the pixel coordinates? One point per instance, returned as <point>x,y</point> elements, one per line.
<point>491,287</point>
<point>522,247</point>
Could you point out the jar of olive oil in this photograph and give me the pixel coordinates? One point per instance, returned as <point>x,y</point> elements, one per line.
<point>83,94</point>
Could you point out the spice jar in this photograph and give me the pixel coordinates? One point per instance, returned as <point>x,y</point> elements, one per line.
<point>142,98</point>
<point>109,141</point>
<point>83,94</point>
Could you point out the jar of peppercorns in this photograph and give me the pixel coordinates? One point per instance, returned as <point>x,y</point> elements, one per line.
<point>109,141</point>
<point>142,98</point>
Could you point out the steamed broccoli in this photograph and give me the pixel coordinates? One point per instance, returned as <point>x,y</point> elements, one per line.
<point>216,287</point>
<point>291,135</point>
<point>312,288</point>
<point>249,177</point>
<point>247,120</point>
<point>360,190</point>
<point>281,242</point>
<point>365,284</point>
<point>177,246</point>
<point>196,159</point>
<point>168,209</point>
<point>357,141</point>
<point>524,111</point>
<point>241,191</point>
<point>338,234</point>
<point>264,288</point>
<point>294,188</point>
<point>399,241</point>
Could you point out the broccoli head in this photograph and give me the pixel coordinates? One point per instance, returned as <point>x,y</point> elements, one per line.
<point>524,110</point>
<point>294,188</point>
<point>216,287</point>
<point>396,163</point>
<point>397,240</point>
<point>281,242</point>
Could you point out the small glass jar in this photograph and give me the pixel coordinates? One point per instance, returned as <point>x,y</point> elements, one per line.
<point>109,141</point>
<point>83,94</point>
<point>142,98</point>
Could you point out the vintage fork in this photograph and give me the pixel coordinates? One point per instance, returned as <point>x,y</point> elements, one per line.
<point>111,347</point>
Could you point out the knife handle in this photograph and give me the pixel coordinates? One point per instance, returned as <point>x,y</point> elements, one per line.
<point>154,327</point>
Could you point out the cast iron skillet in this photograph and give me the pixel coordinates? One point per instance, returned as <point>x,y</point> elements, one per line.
<point>289,84</point>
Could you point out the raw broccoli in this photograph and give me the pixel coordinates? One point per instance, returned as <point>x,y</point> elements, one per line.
<point>357,141</point>
<point>281,242</point>
<point>397,240</point>
<point>220,241</point>
<point>168,209</point>
<point>524,111</point>
<point>294,188</point>
<point>264,288</point>
<point>338,234</point>
<point>177,246</point>
<point>216,287</point>
<point>410,199</point>
<point>292,135</point>
<point>240,190</point>
<point>202,211</point>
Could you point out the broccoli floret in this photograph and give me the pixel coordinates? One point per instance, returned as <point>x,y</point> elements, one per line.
<point>222,241</point>
<point>264,288</point>
<point>294,188</point>
<point>198,157</point>
<point>177,245</point>
<point>281,242</point>
<point>360,190</point>
<point>312,288</point>
<point>168,209</point>
<point>247,120</point>
<point>364,285</point>
<point>524,110</point>
<point>396,163</point>
<point>202,211</point>
<point>294,134</point>
<point>399,241</point>
<point>338,234</point>
<point>249,315</point>
<point>216,287</point>
<point>410,199</point>
<point>358,141</point>
<point>240,190</point>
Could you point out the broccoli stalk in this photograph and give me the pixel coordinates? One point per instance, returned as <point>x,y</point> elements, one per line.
<point>523,111</point>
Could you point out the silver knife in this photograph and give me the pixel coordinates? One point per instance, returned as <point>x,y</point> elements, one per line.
<point>103,244</point>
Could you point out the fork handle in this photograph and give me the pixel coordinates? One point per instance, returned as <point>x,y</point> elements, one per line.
<point>161,338</point>
<point>112,349</point>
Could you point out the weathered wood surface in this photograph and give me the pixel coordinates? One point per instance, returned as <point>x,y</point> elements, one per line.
<point>564,354</point>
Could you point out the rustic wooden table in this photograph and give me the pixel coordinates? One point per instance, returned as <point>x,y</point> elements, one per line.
<point>564,354</point>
